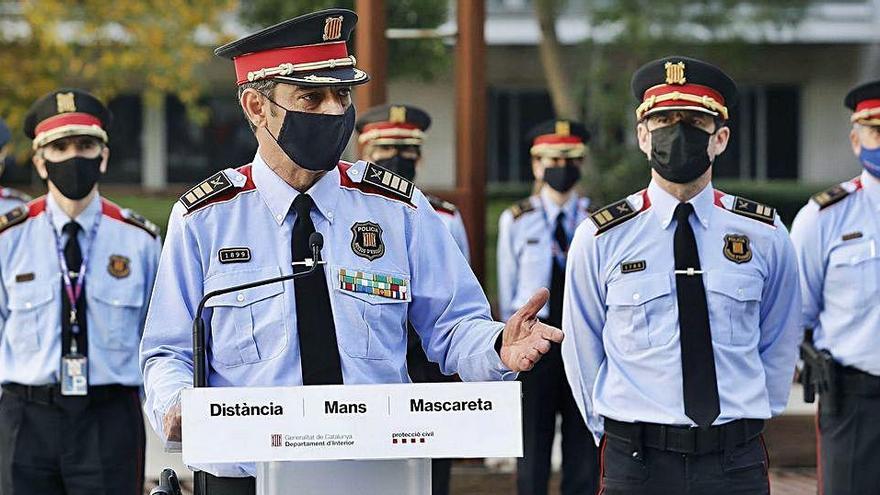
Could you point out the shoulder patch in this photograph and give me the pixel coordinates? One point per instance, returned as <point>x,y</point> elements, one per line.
<point>522,207</point>
<point>373,179</point>
<point>754,210</point>
<point>835,194</point>
<point>207,189</point>
<point>613,215</point>
<point>14,217</point>
<point>138,220</point>
<point>10,193</point>
<point>441,205</point>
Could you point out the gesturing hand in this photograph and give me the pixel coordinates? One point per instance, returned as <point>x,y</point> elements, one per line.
<point>524,339</point>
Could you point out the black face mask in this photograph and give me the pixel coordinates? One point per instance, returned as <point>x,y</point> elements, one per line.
<point>679,153</point>
<point>74,177</point>
<point>562,178</point>
<point>404,167</point>
<point>314,141</point>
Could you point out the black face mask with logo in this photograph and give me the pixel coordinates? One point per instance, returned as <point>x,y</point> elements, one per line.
<point>74,177</point>
<point>679,152</point>
<point>314,141</point>
<point>404,167</point>
<point>563,178</point>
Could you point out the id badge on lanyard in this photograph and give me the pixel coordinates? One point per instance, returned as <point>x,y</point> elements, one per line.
<point>74,365</point>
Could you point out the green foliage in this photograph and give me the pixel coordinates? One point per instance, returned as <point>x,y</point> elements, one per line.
<point>419,58</point>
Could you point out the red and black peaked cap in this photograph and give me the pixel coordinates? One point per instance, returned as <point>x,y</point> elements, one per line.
<point>66,112</point>
<point>683,83</point>
<point>393,124</point>
<point>309,50</point>
<point>864,101</point>
<point>558,139</point>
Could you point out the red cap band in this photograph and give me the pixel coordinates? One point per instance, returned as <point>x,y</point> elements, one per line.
<point>64,119</point>
<point>557,139</point>
<point>308,54</point>
<point>689,89</point>
<point>867,105</point>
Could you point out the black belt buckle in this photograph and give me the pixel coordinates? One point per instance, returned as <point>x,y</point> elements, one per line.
<point>682,440</point>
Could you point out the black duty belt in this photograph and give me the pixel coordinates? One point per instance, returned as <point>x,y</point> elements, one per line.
<point>685,439</point>
<point>856,382</point>
<point>51,394</point>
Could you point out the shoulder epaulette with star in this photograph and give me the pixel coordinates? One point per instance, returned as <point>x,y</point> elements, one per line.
<point>613,215</point>
<point>754,210</point>
<point>521,207</point>
<point>136,219</point>
<point>441,205</point>
<point>14,217</point>
<point>373,179</point>
<point>835,194</point>
<point>209,188</point>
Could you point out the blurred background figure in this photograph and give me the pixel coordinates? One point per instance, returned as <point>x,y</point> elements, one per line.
<point>9,197</point>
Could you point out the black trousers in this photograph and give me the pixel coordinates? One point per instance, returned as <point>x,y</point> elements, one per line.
<point>72,446</point>
<point>849,446</point>
<point>741,470</point>
<point>206,484</point>
<point>545,394</point>
<point>421,370</point>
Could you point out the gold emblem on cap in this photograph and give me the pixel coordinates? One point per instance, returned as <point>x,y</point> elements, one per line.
<point>332,28</point>
<point>675,73</point>
<point>65,102</point>
<point>397,114</point>
<point>563,128</point>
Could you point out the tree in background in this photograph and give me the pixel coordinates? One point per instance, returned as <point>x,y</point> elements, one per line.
<point>625,35</point>
<point>151,47</point>
<point>421,58</point>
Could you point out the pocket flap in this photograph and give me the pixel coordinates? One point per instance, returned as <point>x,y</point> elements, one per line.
<point>127,298</point>
<point>852,254</point>
<point>739,286</point>
<point>28,296</point>
<point>244,297</point>
<point>634,291</point>
<point>372,287</point>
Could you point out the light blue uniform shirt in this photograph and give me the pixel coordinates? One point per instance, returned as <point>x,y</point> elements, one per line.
<point>452,219</point>
<point>252,335</point>
<point>526,246</point>
<point>622,353</point>
<point>839,259</point>
<point>121,267</point>
<point>11,198</point>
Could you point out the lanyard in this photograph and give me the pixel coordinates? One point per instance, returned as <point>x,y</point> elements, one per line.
<point>73,293</point>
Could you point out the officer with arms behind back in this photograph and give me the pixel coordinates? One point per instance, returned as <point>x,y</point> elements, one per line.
<point>533,239</point>
<point>344,323</point>
<point>9,197</point>
<point>836,236</point>
<point>681,306</point>
<point>392,136</point>
<point>77,274</point>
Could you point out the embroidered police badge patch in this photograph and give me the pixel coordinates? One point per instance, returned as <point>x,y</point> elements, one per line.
<point>234,255</point>
<point>736,248</point>
<point>120,266</point>
<point>366,240</point>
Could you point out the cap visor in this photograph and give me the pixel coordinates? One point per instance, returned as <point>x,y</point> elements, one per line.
<point>344,76</point>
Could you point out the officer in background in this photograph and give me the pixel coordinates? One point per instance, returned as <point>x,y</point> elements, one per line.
<point>9,197</point>
<point>391,137</point>
<point>681,306</point>
<point>533,240</point>
<point>390,260</point>
<point>77,274</point>
<point>835,236</point>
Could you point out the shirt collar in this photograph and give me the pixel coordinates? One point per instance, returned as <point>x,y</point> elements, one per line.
<point>85,219</point>
<point>279,195</point>
<point>871,185</point>
<point>664,204</point>
<point>552,209</point>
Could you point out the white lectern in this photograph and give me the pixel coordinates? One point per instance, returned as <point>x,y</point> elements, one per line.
<point>344,439</point>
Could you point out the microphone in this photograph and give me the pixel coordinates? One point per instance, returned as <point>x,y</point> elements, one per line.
<point>200,361</point>
<point>168,483</point>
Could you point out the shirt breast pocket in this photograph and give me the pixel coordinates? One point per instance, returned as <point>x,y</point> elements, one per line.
<point>30,315</point>
<point>118,311</point>
<point>373,326</point>
<point>852,274</point>
<point>250,325</point>
<point>641,312</point>
<point>734,307</point>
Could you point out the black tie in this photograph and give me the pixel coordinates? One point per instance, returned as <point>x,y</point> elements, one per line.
<point>319,354</point>
<point>73,258</point>
<point>557,278</point>
<point>697,358</point>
